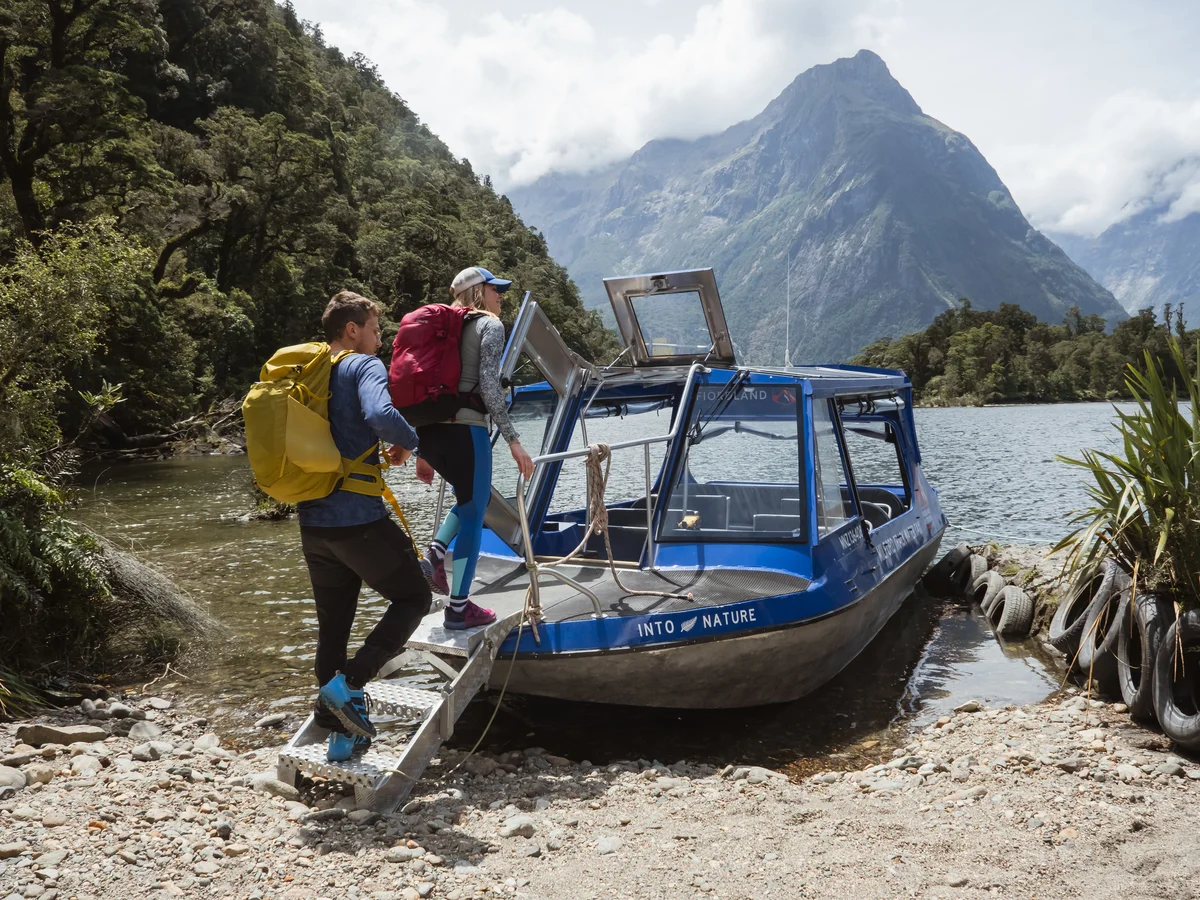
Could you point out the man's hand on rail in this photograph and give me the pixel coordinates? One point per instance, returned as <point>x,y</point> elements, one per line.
<point>398,455</point>
<point>523,459</point>
<point>424,471</point>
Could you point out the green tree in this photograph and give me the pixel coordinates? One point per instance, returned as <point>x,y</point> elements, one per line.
<point>74,140</point>
<point>51,301</point>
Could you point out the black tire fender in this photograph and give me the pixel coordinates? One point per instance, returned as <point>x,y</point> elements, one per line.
<point>939,580</point>
<point>986,589</point>
<point>1177,681</point>
<point>969,570</point>
<point>1097,657</point>
<point>1067,625</point>
<point>1143,625</point>
<point>1012,612</point>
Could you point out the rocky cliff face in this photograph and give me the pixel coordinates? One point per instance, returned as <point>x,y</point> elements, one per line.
<point>888,217</point>
<point>1146,261</point>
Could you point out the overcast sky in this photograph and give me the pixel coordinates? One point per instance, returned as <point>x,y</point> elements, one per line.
<point>1088,109</point>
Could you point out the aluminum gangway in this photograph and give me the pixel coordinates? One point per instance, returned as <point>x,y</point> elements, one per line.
<point>384,776</point>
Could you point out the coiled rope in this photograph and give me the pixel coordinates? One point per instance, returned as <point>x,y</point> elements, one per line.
<point>598,465</point>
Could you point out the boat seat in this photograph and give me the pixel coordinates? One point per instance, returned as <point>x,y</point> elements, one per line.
<point>627,515</point>
<point>628,541</point>
<point>876,514</point>
<point>773,522</point>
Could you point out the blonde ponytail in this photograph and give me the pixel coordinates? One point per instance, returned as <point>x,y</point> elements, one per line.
<point>472,297</point>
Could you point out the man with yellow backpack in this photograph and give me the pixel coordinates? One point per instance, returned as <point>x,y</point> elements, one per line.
<point>308,394</point>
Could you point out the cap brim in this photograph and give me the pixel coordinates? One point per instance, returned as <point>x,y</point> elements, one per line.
<point>499,284</point>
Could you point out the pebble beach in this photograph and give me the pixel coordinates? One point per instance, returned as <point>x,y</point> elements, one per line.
<point>135,798</point>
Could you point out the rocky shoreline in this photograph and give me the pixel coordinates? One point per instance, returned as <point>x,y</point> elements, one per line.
<point>136,798</point>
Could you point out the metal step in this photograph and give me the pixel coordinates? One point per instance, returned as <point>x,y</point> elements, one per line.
<point>384,776</point>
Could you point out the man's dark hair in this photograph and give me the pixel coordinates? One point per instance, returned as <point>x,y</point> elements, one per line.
<point>347,306</point>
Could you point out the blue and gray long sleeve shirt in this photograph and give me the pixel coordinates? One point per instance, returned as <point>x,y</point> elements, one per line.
<point>360,414</point>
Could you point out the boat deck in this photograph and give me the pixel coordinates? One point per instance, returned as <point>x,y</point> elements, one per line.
<point>562,603</point>
<point>505,582</point>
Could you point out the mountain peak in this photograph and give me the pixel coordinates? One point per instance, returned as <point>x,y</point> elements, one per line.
<point>885,216</point>
<point>864,73</point>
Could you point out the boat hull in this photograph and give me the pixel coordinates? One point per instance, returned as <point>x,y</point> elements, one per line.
<point>742,670</point>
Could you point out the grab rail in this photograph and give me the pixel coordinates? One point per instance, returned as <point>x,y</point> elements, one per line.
<point>531,564</point>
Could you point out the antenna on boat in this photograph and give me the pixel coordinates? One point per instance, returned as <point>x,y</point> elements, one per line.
<point>787,329</point>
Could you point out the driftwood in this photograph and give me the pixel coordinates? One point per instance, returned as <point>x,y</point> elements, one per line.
<point>219,428</point>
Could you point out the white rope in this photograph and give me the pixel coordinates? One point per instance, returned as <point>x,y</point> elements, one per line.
<point>597,484</point>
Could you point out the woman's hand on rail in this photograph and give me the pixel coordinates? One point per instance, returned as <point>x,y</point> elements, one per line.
<point>523,459</point>
<point>424,471</point>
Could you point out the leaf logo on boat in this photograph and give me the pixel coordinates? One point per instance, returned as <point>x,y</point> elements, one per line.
<point>688,625</point>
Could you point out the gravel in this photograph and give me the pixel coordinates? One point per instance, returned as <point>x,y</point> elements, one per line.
<point>1047,800</point>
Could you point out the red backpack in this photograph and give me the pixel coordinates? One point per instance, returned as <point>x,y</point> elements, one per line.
<point>426,366</point>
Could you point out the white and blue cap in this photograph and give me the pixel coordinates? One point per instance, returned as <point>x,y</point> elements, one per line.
<point>468,278</point>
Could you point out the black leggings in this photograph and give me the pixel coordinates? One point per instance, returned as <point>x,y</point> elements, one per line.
<point>339,561</point>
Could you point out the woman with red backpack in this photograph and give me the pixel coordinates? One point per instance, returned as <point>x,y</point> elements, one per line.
<point>458,447</point>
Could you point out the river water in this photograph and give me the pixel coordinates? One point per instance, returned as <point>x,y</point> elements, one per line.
<point>994,468</point>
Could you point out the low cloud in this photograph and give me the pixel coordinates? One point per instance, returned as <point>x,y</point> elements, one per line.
<point>527,94</point>
<point>1137,152</point>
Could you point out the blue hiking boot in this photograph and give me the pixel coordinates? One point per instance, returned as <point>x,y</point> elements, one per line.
<point>343,746</point>
<point>349,705</point>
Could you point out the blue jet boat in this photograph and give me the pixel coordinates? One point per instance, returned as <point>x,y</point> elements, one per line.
<point>764,523</point>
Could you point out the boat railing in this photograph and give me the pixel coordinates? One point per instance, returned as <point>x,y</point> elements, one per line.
<point>531,563</point>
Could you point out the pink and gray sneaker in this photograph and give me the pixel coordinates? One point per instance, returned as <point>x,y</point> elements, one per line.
<point>433,567</point>
<point>471,616</point>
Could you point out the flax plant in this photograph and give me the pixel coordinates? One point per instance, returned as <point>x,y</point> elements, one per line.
<point>1145,498</point>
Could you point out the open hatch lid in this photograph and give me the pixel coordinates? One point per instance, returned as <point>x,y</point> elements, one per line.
<point>671,318</point>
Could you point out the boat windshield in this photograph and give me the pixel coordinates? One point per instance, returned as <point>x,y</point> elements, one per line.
<point>740,478</point>
<point>612,422</point>
<point>531,414</point>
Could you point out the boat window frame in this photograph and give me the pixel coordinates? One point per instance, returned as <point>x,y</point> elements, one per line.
<point>856,517</point>
<point>897,442</point>
<point>677,458</point>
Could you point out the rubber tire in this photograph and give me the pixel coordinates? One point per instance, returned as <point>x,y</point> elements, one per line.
<point>968,570</point>
<point>939,580</point>
<point>1143,625</point>
<point>1067,625</point>
<point>1012,613</point>
<point>986,590</point>
<point>1177,702</point>
<point>1097,657</point>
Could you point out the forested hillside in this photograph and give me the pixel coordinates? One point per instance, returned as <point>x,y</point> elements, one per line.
<point>257,169</point>
<point>971,356</point>
<point>183,185</point>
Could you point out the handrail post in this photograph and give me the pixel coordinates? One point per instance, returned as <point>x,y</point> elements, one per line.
<point>649,513</point>
<point>441,504</point>
<point>527,542</point>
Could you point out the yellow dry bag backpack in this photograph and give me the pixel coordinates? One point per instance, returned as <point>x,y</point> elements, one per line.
<point>288,440</point>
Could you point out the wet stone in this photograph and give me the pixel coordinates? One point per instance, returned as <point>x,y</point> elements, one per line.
<point>14,849</point>
<point>12,778</point>
<point>38,734</point>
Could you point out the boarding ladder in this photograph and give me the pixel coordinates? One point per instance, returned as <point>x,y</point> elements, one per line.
<point>384,776</point>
